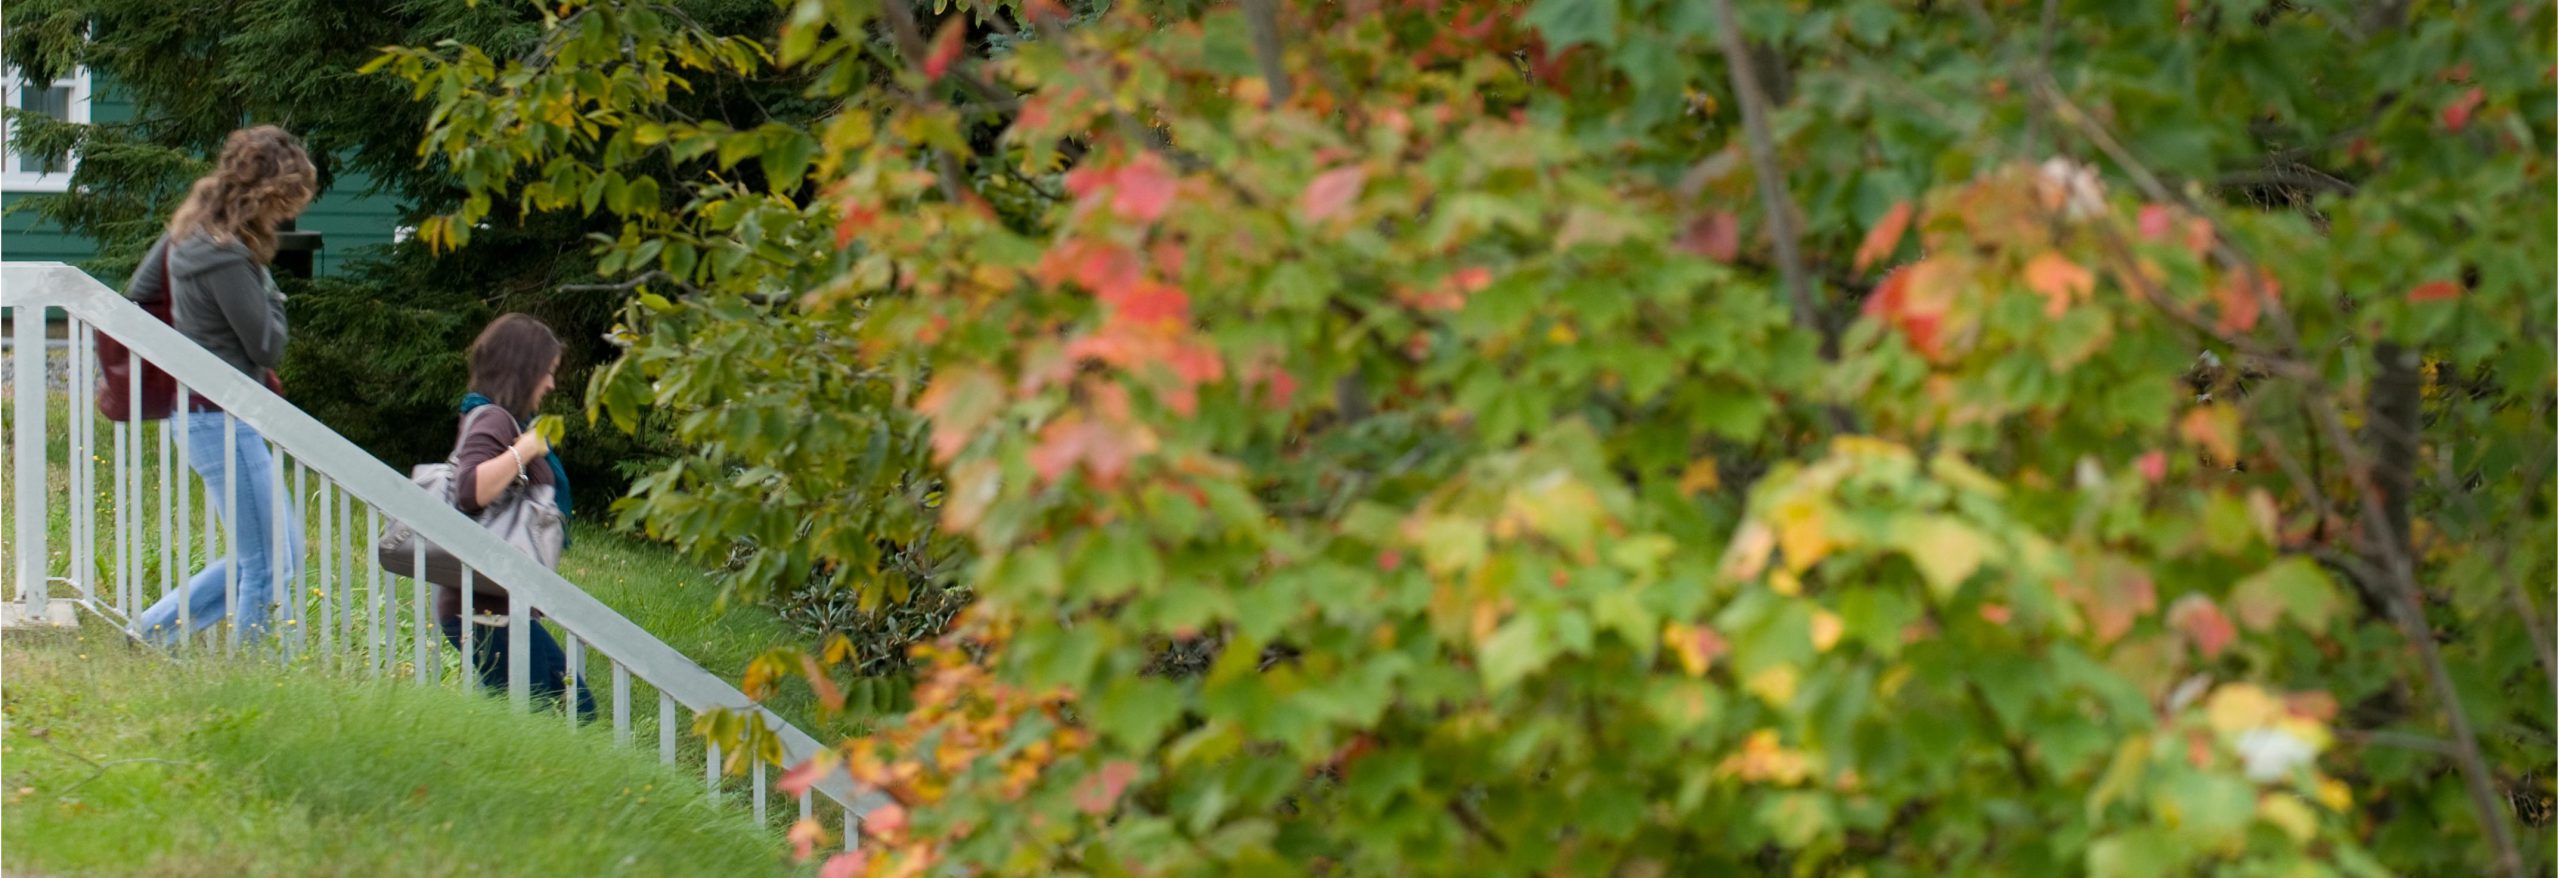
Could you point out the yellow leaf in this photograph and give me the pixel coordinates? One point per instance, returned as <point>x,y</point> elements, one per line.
<point>1802,532</point>
<point>2239,707</point>
<point>1826,630</point>
<point>1785,582</point>
<point>2216,428</point>
<point>1946,550</point>
<point>2335,795</point>
<point>1700,477</point>
<point>1775,684</point>
<point>2288,813</point>
<point>551,428</point>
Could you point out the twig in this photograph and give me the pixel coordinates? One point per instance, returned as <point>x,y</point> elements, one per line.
<point>102,770</point>
<point>1773,183</point>
<point>1264,21</point>
<point>1475,826</point>
<point>2402,740</point>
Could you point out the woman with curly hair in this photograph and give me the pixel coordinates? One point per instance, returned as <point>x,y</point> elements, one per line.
<point>213,260</point>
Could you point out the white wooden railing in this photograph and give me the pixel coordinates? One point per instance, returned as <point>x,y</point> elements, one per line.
<point>339,607</point>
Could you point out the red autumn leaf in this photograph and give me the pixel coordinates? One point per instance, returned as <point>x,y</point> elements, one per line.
<point>2203,623</point>
<point>1331,192</point>
<point>804,837</point>
<point>1717,236</point>
<point>1146,189</point>
<point>888,823</point>
<point>1150,302</point>
<point>2435,291</point>
<point>2153,465</point>
<point>2059,280</point>
<point>2315,706</point>
<point>1101,791</point>
<point>1996,614</point>
<point>1390,560</point>
<point>1104,452</point>
<point>1885,237</point>
<point>2242,299</point>
<point>846,865</point>
<point>946,49</point>
<point>1045,10</point>
<point>2154,221</point>
<point>2457,115</point>
<point>803,776</point>
<point>856,219</point>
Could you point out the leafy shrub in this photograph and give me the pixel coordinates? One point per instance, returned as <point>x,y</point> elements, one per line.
<point>1618,436</point>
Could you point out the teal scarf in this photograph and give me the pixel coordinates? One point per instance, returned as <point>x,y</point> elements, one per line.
<point>559,475</point>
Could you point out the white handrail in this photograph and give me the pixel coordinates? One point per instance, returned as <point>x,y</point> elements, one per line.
<point>38,285</point>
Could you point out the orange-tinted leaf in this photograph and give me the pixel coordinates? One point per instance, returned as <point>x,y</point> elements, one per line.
<point>1332,191</point>
<point>805,836</point>
<point>2241,299</point>
<point>846,865</point>
<point>829,696</point>
<point>2457,115</point>
<point>2155,221</point>
<point>2059,280</point>
<point>946,49</point>
<point>1697,646</point>
<point>888,823</point>
<point>2435,291</point>
<point>1101,790</point>
<point>2216,428</point>
<point>1996,614</point>
<point>1150,302</point>
<point>1716,235</point>
<point>1885,237</point>
<point>807,774</point>
<point>2203,623</point>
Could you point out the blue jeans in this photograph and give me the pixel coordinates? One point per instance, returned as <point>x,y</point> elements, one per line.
<point>260,482</point>
<point>546,666</point>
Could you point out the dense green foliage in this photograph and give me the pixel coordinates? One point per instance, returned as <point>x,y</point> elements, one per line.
<point>377,352</point>
<point>218,767</point>
<point>1979,438</point>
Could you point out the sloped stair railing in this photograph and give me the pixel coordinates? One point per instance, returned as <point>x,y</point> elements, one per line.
<point>341,608</point>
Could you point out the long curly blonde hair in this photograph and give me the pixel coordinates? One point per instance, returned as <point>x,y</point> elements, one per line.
<point>263,178</point>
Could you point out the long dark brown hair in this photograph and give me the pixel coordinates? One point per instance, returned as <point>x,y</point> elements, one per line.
<point>510,359</point>
<point>263,178</point>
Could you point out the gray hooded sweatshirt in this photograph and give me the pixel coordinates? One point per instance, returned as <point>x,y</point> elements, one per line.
<point>221,298</point>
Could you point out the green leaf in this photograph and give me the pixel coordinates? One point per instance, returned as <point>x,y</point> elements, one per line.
<point>1566,23</point>
<point>2295,587</point>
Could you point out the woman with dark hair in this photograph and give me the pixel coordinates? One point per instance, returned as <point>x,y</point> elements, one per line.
<point>213,262</point>
<point>511,366</point>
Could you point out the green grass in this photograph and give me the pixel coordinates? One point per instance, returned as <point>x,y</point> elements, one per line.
<point>647,583</point>
<point>122,761</point>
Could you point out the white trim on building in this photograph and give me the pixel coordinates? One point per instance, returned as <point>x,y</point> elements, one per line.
<point>67,99</point>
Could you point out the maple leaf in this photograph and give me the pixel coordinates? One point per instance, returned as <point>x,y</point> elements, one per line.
<point>1697,646</point>
<point>1716,235</point>
<point>1101,790</point>
<point>1331,192</point>
<point>2216,428</point>
<point>2435,291</point>
<point>2457,115</point>
<point>2153,465</point>
<point>2241,299</point>
<point>946,49</point>
<point>846,865</point>
<point>1149,302</point>
<point>1885,237</point>
<point>2203,623</point>
<point>2059,280</point>
<point>1145,189</point>
<point>805,836</point>
<point>888,823</point>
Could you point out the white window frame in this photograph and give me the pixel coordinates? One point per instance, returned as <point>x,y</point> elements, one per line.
<point>14,175</point>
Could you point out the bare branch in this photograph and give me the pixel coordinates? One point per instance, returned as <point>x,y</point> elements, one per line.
<point>1773,182</point>
<point>1264,20</point>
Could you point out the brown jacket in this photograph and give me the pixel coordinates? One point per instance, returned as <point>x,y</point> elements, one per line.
<point>488,439</point>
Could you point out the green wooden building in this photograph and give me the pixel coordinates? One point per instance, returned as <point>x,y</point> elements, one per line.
<point>348,220</point>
